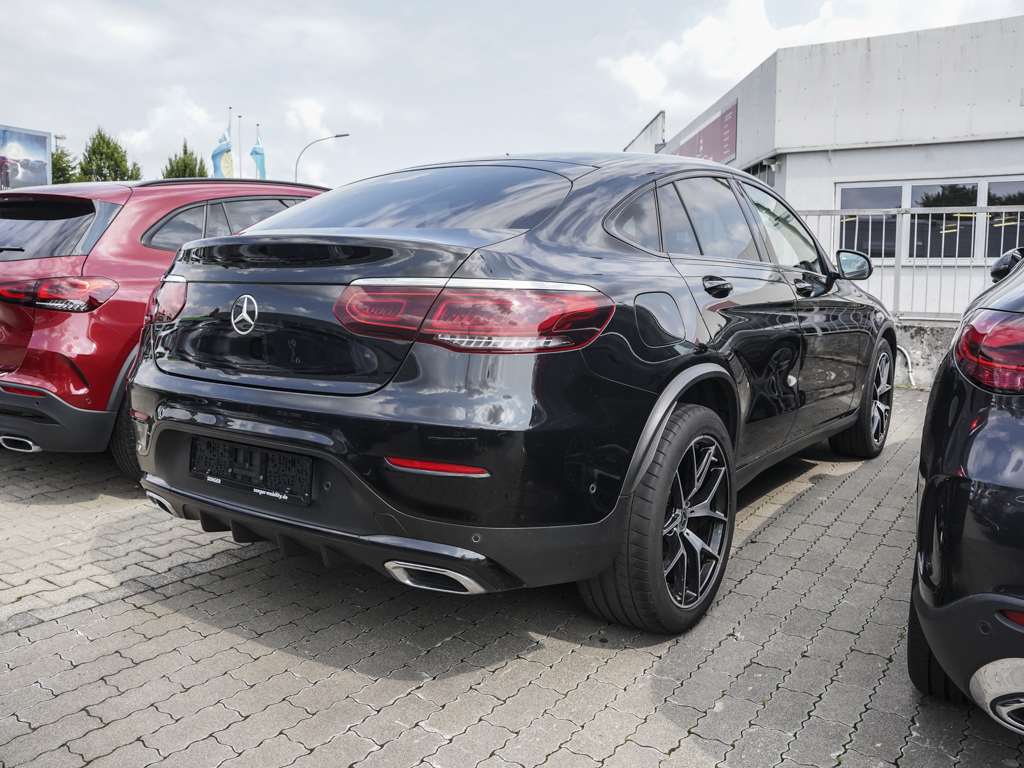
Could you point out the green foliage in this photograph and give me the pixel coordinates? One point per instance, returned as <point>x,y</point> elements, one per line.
<point>105,159</point>
<point>949,196</point>
<point>62,165</point>
<point>185,165</point>
<point>1013,198</point>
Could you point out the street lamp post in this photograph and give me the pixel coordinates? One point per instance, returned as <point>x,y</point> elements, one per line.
<point>325,138</point>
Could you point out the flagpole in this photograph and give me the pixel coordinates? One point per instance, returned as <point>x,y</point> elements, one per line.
<point>240,150</point>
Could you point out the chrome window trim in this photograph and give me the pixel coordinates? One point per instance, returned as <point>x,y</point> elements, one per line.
<point>467,282</point>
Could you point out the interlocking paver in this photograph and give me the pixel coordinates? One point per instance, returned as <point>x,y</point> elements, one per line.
<point>138,636</point>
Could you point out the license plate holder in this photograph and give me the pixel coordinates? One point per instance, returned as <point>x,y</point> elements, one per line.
<point>265,473</point>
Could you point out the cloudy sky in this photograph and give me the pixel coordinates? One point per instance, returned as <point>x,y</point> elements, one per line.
<point>412,82</point>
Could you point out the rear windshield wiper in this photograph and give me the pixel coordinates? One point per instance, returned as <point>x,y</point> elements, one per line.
<point>11,248</point>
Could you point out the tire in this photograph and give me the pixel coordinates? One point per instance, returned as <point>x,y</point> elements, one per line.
<point>122,444</point>
<point>926,673</point>
<point>866,438</point>
<point>687,497</point>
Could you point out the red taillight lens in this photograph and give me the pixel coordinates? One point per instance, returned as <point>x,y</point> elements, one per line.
<point>990,349</point>
<point>435,467</point>
<point>166,302</point>
<point>1015,616</point>
<point>384,311</point>
<point>493,320</point>
<point>63,294</point>
<point>477,319</point>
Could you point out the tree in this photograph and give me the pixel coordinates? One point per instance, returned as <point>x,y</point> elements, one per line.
<point>105,159</point>
<point>186,165</point>
<point>62,163</point>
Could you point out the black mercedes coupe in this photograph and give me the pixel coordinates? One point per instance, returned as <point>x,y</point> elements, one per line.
<point>966,629</point>
<point>502,373</point>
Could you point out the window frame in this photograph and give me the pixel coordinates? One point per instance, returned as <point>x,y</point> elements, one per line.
<point>149,234</point>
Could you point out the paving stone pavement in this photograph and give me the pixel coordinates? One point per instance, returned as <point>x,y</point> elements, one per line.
<point>129,638</point>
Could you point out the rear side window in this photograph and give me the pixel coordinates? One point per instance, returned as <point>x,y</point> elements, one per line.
<point>638,223</point>
<point>39,228</point>
<point>718,218</point>
<point>471,197</point>
<point>245,213</point>
<point>675,224</point>
<point>216,221</point>
<point>187,225</point>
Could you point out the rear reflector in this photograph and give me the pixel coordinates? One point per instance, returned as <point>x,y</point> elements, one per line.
<point>166,302</point>
<point>477,319</point>
<point>20,391</point>
<point>990,349</point>
<point>62,294</point>
<point>435,467</point>
<point>1015,616</point>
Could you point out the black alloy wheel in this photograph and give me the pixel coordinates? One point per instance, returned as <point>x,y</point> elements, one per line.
<point>881,406</point>
<point>866,438</point>
<point>696,522</point>
<point>676,532</point>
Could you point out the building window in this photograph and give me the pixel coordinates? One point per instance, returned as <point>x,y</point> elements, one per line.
<point>763,172</point>
<point>947,234</point>
<point>873,234</point>
<point>1004,230</point>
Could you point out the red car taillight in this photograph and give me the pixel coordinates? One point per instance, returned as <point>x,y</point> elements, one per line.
<point>990,349</point>
<point>63,294</point>
<point>166,302</point>
<point>478,319</point>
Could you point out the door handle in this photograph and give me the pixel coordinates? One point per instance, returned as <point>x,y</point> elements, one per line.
<point>803,287</point>
<point>716,286</point>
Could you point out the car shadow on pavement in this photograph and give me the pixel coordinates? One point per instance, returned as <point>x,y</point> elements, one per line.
<point>63,478</point>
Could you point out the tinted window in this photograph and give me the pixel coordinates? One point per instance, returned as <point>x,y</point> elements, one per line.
<point>187,225</point>
<point>43,228</point>
<point>676,229</point>
<point>216,221</point>
<point>639,222</point>
<point>245,213</point>
<point>475,197</point>
<point>788,238</point>
<point>871,197</point>
<point>718,219</point>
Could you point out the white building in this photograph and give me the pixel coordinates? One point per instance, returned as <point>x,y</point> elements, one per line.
<point>928,119</point>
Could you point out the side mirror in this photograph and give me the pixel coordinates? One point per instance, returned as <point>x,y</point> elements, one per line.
<point>1004,264</point>
<point>853,265</point>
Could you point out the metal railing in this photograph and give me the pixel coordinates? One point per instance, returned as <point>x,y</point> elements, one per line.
<point>929,263</point>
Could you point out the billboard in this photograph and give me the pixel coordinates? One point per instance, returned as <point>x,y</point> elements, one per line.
<point>24,158</point>
<point>715,140</point>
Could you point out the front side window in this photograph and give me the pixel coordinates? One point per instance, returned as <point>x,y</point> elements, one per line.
<point>718,219</point>
<point>180,229</point>
<point>461,197</point>
<point>638,223</point>
<point>789,240</point>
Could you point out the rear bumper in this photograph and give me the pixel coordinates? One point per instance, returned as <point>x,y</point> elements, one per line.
<point>498,559</point>
<point>52,424</point>
<point>971,633</point>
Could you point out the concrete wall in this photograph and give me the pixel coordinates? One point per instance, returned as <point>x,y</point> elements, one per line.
<point>927,345</point>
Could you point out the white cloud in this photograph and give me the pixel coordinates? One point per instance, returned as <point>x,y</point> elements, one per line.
<point>685,74</point>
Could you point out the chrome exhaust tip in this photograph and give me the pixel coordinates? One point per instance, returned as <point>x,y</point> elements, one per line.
<point>19,444</point>
<point>161,503</point>
<point>434,579</point>
<point>998,687</point>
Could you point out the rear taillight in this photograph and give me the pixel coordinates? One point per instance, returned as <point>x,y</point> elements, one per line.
<point>384,311</point>
<point>166,302</point>
<point>470,319</point>
<point>990,349</point>
<point>63,294</point>
<point>1015,616</point>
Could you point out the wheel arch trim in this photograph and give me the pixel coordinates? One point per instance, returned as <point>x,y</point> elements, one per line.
<point>643,455</point>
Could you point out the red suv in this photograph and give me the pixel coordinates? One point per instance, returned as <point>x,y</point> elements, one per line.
<point>78,263</point>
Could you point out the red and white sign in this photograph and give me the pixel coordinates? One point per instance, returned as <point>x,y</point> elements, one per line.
<point>715,140</point>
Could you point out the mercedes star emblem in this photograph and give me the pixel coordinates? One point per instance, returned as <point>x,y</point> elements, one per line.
<point>243,314</point>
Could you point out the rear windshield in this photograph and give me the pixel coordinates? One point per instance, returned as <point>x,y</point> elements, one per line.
<point>34,228</point>
<point>473,197</point>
